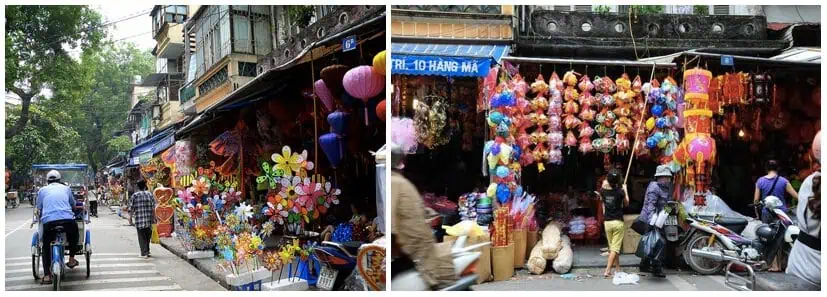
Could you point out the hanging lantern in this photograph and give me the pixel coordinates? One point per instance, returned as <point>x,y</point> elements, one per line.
<point>762,88</point>
<point>696,83</point>
<point>701,147</point>
<point>379,63</point>
<point>361,82</point>
<point>333,148</point>
<point>817,146</point>
<point>338,122</point>
<point>324,94</point>
<point>380,110</point>
<point>332,76</point>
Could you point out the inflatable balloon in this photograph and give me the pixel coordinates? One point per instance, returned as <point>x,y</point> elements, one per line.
<point>650,123</point>
<point>380,110</point>
<point>662,123</point>
<point>333,148</point>
<point>817,146</point>
<point>657,110</point>
<point>379,63</point>
<point>503,193</point>
<point>662,143</point>
<point>492,190</point>
<point>363,83</point>
<point>502,171</point>
<point>338,122</point>
<point>651,142</point>
<point>324,94</point>
<point>495,118</point>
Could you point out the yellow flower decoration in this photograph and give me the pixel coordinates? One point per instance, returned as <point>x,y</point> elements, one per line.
<point>287,162</point>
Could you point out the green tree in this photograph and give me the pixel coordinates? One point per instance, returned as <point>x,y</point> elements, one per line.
<point>38,40</point>
<point>119,144</point>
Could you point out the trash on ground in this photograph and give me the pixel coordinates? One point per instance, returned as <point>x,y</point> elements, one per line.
<point>622,278</point>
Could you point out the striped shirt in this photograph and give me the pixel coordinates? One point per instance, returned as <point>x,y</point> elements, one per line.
<point>142,207</point>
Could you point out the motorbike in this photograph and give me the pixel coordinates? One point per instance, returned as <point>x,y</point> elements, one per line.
<point>714,242</point>
<point>465,265</point>
<point>338,260</point>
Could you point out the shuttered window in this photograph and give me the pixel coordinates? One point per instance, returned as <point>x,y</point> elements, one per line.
<point>562,7</point>
<point>720,9</point>
<point>583,8</point>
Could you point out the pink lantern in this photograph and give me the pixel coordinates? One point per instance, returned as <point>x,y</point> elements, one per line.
<point>324,94</point>
<point>363,83</point>
<point>681,109</point>
<point>701,148</point>
<point>817,146</point>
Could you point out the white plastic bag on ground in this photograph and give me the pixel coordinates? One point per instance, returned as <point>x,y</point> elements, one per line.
<point>622,278</point>
<point>565,257</point>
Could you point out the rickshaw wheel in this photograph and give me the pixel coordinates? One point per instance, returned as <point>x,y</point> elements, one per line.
<point>88,264</point>
<point>36,267</point>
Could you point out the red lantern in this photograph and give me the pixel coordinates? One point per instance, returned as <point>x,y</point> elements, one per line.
<point>380,110</point>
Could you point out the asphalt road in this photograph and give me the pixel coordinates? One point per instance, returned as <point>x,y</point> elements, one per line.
<point>675,281</point>
<point>116,263</point>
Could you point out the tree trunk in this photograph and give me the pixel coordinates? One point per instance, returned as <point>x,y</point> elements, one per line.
<point>26,102</point>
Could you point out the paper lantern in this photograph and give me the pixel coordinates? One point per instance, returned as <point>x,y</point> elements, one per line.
<point>701,147</point>
<point>696,84</point>
<point>324,94</point>
<point>332,76</point>
<point>817,146</point>
<point>380,110</point>
<point>338,122</point>
<point>333,148</point>
<point>379,63</point>
<point>361,82</point>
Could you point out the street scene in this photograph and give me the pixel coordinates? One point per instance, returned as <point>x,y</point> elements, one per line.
<point>195,147</point>
<point>115,264</point>
<point>606,147</point>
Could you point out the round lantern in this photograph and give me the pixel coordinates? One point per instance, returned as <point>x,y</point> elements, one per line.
<point>379,63</point>
<point>380,110</point>
<point>817,146</point>
<point>332,76</point>
<point>333,148</point>
<point>338,122</point>
<point>701,147</point>
<point>324,94</point>
<point>696,83</point>
<point>361,82</point>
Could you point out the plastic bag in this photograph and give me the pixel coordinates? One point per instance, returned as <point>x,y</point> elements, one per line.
<point>622,278</point>
<point>155,238</point>
<point>464,228</point>
<point>651,245</point>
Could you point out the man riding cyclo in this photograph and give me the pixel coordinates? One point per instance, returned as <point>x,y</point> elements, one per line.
<point>56,206</point>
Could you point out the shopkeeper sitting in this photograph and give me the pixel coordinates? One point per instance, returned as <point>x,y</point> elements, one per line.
<point>410,233</point>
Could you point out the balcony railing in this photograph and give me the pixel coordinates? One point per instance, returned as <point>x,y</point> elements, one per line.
<point>484,9</point>
<point>187,92</point>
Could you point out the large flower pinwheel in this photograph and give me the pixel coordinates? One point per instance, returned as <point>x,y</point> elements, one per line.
<point>231,196</point>
<point>290,187</point>
<point>186,196</point>
<point>287,162</point>
<point>330,197</point>
<point>200,186</point>
<point>244,211</point>
<point>277,207</point>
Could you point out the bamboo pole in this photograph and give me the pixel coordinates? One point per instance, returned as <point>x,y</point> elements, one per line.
<point>637,131</point>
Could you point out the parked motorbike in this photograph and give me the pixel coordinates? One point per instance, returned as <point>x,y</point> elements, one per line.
<point>338,262</point>
<point>465,265</point>
<point>12,200</point>
<point>714,242</point>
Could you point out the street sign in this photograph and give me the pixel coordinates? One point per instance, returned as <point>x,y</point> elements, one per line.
<point>349,43</point>
<point>727,61</point>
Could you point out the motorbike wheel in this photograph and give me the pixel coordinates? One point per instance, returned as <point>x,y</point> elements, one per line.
<point>702,265</point>
<point>88,264</point>
<point>36,267</point>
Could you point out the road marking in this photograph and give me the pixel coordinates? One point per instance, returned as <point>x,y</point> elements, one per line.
<point>94,273</point>
<point>150,288</point>
<point>92,266</point>
<point>82,260</point>
<point>18,228</point>
<point>92,282</point>
<point>94,256</point>
<point>680,283</point>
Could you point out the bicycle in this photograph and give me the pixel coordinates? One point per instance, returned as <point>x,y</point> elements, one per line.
<point>59,251</point>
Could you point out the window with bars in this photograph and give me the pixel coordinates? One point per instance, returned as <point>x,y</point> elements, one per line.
<point>583,8</point>
<point>173,14</point>
<point>720,9</point>
<point>562,7</point>
<point>216,80</point>
<point>251,29</point>
<point>247,69</point>
<point>623,9</point>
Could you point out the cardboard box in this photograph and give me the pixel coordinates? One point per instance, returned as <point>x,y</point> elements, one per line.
<point>484,265</point>
<point>502,259</point>
<point>519,248</point>
<point>630,237</point>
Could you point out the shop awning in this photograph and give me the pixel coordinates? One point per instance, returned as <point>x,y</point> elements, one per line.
<point>60,166</point>
<point>445,59</point>
<point>152,146</point>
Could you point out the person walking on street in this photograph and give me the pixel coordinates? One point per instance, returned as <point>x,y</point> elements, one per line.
<point>805,257</point>
<point>773,184</point>
<point>92,197</point>
<point>55,207</point>
<point>142,210</point>
<point>615,197</point>
<point>658,193</point>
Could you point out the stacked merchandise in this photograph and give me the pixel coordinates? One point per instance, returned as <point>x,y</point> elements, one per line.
<point>663,123</point>
<point>467,205</point>
<point>592,228</point>
<point>577,228</point>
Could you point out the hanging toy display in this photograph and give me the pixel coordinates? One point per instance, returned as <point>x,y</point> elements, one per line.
<point>697,151</point>
<point>502,154</point>
<point>624,100</point>
<point>571,108</point>
<point>555,119</point>
<point>587,100</point>
<point>663,134</point>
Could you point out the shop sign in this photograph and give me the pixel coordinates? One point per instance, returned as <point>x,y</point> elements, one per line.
<point>727,61</point>
<point>145,157</point>
<point>349,43</point>
<point>436,65</point>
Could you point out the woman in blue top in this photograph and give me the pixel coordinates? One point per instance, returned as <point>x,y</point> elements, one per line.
<point>773,184</point>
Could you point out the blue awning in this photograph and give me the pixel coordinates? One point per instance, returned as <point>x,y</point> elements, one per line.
<point>444,59</point>
<point>152,146</point>
<point>60,166</point>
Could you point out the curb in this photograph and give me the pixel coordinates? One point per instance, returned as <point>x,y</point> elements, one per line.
<point>200,264</point>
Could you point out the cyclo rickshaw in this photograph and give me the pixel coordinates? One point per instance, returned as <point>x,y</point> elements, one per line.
<point>76,176</point>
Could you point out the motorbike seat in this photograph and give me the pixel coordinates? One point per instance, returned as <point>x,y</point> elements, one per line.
<point>352,247</point>
<point>58,229</point>
<point>736,225</point>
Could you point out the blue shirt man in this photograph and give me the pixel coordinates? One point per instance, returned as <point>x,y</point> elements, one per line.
<point>55,202</point>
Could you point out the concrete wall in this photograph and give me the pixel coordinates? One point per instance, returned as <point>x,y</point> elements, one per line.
<point>792,13</point>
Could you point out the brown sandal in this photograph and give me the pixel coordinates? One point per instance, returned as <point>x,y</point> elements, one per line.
<point>72,263</point>
<point>46,280</point>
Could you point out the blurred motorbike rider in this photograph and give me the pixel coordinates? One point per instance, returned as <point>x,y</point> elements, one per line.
<point>413,241</point>
<point>805,257</point>
<point>55,205</point>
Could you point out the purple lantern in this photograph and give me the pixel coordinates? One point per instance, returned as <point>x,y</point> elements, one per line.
<point>363,83</point>
<point>324,94</point>
<point>333,147</point>
<point>338,122</point>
